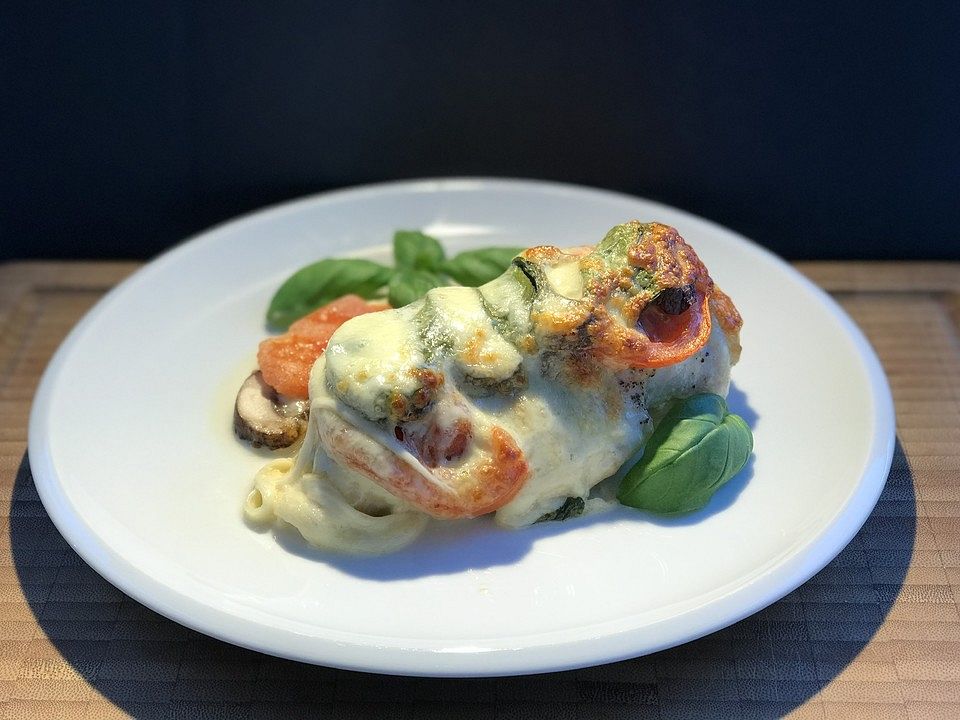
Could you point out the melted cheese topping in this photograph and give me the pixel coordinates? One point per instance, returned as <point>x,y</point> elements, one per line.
<point>458,319</point>
<point>470,356</point>
<point>566,278</point>
<point>369,357</point>
<point>572,439</point>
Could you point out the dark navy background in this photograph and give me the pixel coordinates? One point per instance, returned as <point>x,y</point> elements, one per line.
<point>823,130</point>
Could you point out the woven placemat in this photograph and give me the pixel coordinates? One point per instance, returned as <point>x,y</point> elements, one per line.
<point>876,634</point>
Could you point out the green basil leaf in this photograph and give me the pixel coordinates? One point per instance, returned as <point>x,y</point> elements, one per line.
<point>322,282</point>
<point>412,250</point>
<point>476,267</point>
<point>694,450</point>
<point>614,248</point>
<point>409,285</point>
<point>617,242</point>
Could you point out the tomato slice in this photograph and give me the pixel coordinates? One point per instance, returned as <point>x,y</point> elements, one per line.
<point>674,338</point>
<point>661,339</point>
<point>285,361</point>
<point>338,312</point>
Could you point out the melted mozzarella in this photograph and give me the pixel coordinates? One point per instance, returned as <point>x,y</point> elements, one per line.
<point>333,507</point>
<point>324,517</point>
<point>571,436</point>
<point>574,438</point>
<point>566,278</point>
<point>458,319</point>
<point>369,357</point>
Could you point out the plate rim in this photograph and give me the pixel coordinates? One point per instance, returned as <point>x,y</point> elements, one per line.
<point>186,610</point>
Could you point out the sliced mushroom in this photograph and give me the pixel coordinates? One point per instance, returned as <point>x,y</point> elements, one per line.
<point>265,418</point>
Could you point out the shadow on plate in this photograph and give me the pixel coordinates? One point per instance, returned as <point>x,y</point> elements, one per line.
<point>739,403</point>
<point>763,666</point>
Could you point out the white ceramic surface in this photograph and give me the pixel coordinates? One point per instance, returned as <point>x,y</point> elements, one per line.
<point>133,455</point>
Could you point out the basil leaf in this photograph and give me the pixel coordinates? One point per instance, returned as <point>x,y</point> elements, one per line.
<point>694,450</point>
<point>409,285</point>
<point>412,250</point>
<point>614,248</point>
<point>617,242</point>
<point>322,282</point>
<point>476,267</point>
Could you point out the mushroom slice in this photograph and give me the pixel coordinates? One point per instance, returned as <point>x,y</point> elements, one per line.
<point>264,418</point>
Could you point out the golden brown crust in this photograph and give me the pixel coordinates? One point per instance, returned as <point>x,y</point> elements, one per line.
<point>617,321</point>
<point>408,407</point>
<point>729,319</point>
<point>727,314</point>
<point>547,254</point>
<point>505,472</point>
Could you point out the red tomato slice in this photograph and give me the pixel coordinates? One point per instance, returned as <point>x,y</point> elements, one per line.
<point>285,361</point>
<point>660,339</point>
<point>339,311</point>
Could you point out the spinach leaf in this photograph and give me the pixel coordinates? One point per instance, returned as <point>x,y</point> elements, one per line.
<point>322,282</point>
<point>412,250</point>
<point>409,285</point>
<point>695,449</point>
<point>476,267</point>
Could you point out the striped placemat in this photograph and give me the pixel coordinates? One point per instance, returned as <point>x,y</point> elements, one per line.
<point>876,634</point>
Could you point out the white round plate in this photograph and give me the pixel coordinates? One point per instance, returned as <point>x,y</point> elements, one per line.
<point>133,454</point>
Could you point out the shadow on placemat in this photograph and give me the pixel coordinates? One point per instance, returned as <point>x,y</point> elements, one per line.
<point>763,666</point>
